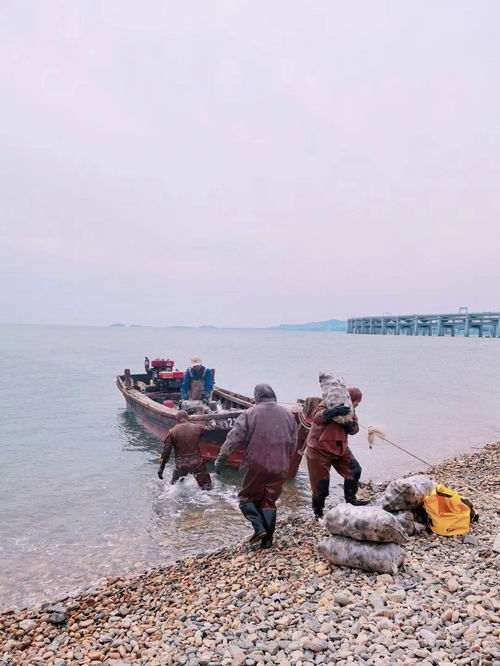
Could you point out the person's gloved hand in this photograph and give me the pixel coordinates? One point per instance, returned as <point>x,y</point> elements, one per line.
<point>219,463</point>
<point>330,414</point>
<point>160,474</point>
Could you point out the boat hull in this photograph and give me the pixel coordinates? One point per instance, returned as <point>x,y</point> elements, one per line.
<point>158,420</point>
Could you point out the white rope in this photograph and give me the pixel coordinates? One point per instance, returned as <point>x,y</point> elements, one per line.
<point>376,431</point>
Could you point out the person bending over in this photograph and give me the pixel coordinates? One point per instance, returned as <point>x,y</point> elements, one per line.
<point>184,438</point>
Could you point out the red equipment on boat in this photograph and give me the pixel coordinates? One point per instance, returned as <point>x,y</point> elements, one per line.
<point>162,363</point>
<point>166,374</point>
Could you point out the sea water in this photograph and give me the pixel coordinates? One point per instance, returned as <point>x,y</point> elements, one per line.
<point>79,495</point>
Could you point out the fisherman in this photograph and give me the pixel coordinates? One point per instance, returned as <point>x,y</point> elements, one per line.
<point>327,447</point>
<point>198,382</point>
<point>184,438</point>
<point>268,432</point>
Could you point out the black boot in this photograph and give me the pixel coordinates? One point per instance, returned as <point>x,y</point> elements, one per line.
<point>350,490</point>
<point>249,510</point>
<point>269,516</point>
<point>318,504</point>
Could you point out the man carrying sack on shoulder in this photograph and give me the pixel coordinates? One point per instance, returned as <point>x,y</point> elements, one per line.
<point>327,447</point>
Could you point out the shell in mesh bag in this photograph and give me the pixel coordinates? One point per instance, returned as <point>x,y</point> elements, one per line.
<point>365,523</point>
<point>367,555</point>
<point>335,393</point>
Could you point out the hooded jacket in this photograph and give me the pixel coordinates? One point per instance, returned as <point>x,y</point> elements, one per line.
<point>268,432</point>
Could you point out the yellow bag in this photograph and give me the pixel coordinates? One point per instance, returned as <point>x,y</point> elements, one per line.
<point>448,513</point>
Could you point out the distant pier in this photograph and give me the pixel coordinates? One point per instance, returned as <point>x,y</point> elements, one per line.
<point>480,324</point>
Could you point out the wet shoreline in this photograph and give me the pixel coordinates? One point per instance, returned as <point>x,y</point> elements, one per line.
<point>240,606</point>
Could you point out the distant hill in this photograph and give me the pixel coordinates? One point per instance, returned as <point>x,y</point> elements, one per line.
<point>328,325</point>
<point>117,325</point>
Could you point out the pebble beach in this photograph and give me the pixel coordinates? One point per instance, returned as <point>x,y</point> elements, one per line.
<point>245,606</point>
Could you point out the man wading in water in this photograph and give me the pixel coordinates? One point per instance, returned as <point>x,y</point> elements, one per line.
<point>326,447</point>
<point>269,433</point>
<point>184,438</point>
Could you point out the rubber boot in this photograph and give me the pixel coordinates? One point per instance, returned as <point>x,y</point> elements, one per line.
<point>318,504</point>
<point>269,516</point>
<point>251,513</point>
<point>350,490</point>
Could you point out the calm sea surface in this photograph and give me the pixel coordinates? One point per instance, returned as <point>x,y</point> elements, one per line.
<point>79,496</point>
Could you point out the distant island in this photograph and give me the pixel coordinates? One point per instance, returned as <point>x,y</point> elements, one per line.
<point>328,325</point>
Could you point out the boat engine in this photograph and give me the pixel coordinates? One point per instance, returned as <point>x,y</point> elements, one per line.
<point>163,377</point>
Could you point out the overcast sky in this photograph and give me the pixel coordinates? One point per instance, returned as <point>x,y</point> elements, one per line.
<point>247,162</point>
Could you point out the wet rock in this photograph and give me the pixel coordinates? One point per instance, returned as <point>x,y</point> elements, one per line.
<point>57,618</point>
<point>55,608</point>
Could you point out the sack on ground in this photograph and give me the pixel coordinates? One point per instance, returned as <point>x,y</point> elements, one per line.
<point>406,519</point>
<point>335,393</point>
<point>365,523</point>
<point>403,494</point>
<point>448,512</point>
<point>366,555</point>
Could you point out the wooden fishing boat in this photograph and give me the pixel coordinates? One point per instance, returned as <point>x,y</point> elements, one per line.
<point>145,395</point>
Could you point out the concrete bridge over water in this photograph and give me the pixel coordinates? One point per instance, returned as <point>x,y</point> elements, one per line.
<point>464,323</point>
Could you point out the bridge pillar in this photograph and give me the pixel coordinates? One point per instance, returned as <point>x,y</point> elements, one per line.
<point>440,326</point>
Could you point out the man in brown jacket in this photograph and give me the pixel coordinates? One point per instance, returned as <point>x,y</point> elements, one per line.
<point>327,447</point>
<point>184,438</point>
<point>268,432</point>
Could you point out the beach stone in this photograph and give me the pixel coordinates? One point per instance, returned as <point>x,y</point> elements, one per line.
<point>55,608</point>
<point>377,601</point>
<point>471,540</point>
<point>447,615</point>
<point>452,584</point>
<point>496,543</point>
<point>315,645</point>
<point>27,625</point>
<point>60,662</point>
<point>428,636</point>
<point>57,618</point>
<point>341,599</point>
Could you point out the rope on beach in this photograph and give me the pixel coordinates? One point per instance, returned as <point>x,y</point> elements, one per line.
<point>401,448</point>
<point>458,481</point>
<point>375,430</point>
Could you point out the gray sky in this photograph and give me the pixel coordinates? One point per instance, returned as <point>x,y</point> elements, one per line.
<point>247,163</point>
